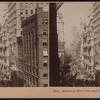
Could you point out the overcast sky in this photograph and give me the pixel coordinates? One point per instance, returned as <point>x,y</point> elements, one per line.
<point>72,12</point>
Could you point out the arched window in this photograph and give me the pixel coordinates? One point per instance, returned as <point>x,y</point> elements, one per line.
<point>44,43</point>
<point>44,63</point>
<point>44,32</point>
<point>45,75</point>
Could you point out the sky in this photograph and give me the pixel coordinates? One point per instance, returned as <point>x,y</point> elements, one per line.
<point>73,13</point>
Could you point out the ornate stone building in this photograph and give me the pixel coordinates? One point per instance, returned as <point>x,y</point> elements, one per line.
<point>35,49</point>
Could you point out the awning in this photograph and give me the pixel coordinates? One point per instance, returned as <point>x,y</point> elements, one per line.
<point>45,53</point>
<point>44,40</point>
<point>44,61</point>
<point>58,5</point>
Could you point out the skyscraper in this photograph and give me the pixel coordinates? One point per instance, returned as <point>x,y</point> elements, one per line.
<point>35,48</point>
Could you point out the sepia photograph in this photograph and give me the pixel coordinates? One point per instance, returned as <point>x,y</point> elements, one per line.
<point>24,44</point>
<point>49,49</point>
<point>75,44</point>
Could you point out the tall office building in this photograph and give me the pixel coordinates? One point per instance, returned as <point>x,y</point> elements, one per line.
<point>88,48</point>
<point>96,30</point>
<point>35,48</point>
<point>17,12</point>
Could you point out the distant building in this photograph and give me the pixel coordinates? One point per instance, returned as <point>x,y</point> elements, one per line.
<point>76,42</point>
<point>60,32</point>
<point>35,48</point>
<point>61,43</point>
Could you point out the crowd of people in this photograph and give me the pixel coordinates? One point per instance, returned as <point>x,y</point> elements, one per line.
<point>72,80</point>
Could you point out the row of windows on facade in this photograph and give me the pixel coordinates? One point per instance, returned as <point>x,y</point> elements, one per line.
<point>30,60</point>
<point>35,81</point>
<point>27,12</point>
<point>37,74</point>
<point>45,54</point>
<point>44,21</point>
<point>32,80</point>
<point>28,50</point>
<point>45,64</point>
<point>30,4</point>
<point>27,4</point>
<point>44,75</point>
<point>29,69</point>
<point>26,37</point>
<point>26,45</point>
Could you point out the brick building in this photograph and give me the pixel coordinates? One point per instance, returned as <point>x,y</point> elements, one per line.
<point>35,48</point>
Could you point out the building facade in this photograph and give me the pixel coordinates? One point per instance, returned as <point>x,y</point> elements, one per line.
<point>4,52</point>
<point>88,49</point>
<point>96,30</point>
<point>60,32</point>
<point>17,12</point>
<point>35,48</point>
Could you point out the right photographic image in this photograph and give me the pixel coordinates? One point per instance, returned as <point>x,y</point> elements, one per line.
<point>74,34</point>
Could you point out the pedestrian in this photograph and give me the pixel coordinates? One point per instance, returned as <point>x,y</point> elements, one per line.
<point>97,74</point>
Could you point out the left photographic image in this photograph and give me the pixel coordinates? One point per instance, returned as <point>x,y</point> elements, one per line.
<point>24,44</point>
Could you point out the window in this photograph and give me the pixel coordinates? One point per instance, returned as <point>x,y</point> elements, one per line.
<point>31,11</point>
<point>21,13</point>
<point>33,80</point>
<point>44,63</point>
<point>43,21</point>
<point>44,33</point>
<point>45,75</point>
<point>37,82</point>
<point>45,85</point>
<point>21,32</point>
<point>37,72</point>
<point>44,43</point>
<point>21,4</point>
<point>45,54</point>
<point>26,4</point>
<point>31,4</point>
<point>22,18</point>
<point>26,11</point>
<point>46,21</point>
